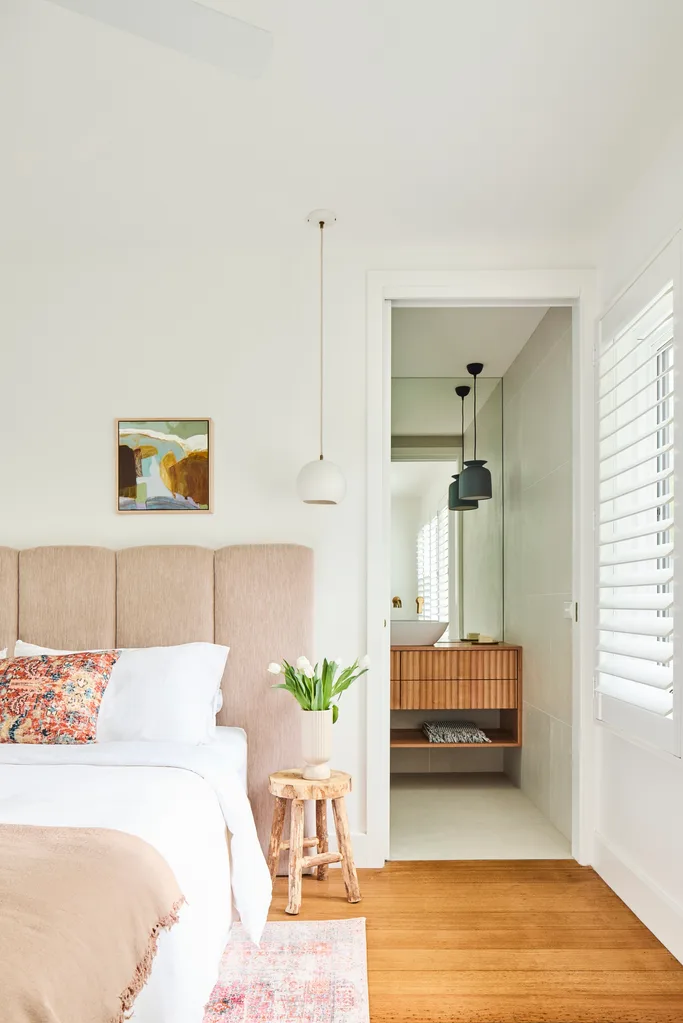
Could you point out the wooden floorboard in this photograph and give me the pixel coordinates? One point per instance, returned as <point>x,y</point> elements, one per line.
<point>520,941</point>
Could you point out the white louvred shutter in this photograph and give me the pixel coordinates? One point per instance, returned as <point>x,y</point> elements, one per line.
<point>636,559</point>
<point>423,577</point>
<point>444,557</point>
<point>433,565</point>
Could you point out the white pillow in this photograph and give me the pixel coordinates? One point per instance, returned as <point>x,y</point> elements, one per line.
<point>22,649</point>
<point>157,694</point>
<point>3,654</point>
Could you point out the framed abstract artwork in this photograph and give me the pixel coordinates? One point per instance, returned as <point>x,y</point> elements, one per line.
<point>164,465</point>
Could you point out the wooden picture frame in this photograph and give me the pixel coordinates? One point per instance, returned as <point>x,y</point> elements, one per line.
<point>168,471</point>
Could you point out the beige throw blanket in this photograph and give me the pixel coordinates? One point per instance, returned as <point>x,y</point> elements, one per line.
<point>80,914</point>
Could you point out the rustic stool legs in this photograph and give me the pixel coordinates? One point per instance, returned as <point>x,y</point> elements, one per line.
<point>321,833</point>
<point>348,867</point>
<point>296,843</point>
<point>276,836</point>
<point>296,854</point>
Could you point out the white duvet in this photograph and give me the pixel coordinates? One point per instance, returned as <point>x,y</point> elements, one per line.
<point>179,799</point>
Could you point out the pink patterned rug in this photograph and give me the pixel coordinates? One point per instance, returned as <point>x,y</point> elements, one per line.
<point>304,972</point>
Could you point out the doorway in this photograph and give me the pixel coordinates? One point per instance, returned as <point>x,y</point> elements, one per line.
<point>480,748</point>
<point>388,292</point>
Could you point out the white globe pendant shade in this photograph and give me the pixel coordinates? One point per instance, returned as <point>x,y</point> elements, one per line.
<point>321,482</point>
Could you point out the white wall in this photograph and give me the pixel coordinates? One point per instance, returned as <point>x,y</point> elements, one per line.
<point>537,416</point>
<point>645,222</point>
<point>435,497</point>
<point>482,529</point>
<point>406,519</point>
<point>639,824</point>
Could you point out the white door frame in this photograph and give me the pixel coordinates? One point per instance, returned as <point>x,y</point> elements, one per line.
<point>576,288</point>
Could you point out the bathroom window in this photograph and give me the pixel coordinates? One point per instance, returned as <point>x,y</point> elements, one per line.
<point>433,557</point>
<point>636,508</point>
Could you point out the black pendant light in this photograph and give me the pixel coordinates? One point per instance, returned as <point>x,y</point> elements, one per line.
<point>475,481</point>
<point>455,502</point>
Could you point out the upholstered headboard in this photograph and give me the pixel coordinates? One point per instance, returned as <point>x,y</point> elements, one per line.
<point>256,599</point>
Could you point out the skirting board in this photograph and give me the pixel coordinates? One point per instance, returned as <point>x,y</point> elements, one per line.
<point>363,852</point>
<point>651,904</point>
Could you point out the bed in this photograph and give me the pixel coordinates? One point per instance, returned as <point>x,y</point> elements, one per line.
<point>189,802</point>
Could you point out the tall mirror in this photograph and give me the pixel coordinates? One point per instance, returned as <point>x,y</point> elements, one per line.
<point>446,565</point>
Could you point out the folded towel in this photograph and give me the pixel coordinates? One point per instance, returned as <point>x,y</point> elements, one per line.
<point>454,731</point>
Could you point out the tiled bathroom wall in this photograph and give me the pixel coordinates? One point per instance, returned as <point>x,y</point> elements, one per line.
<point>537,442</point>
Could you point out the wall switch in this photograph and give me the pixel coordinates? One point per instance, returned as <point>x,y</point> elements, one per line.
<point>569,609</point>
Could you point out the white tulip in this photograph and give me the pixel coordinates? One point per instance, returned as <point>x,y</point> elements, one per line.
<point>308,671</point>
<point>302,663</point>
<point>274,668</point>
<point>365,662</point>
<point>337,661</point>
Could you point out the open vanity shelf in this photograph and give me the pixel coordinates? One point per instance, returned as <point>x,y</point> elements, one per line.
<point>458,677</point>
<point>413,738</point>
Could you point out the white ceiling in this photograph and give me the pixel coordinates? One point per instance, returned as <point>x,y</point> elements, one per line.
<point>414,479</point>
<point>430,122</point>
<point>430,407</point>
<point>441,342</point>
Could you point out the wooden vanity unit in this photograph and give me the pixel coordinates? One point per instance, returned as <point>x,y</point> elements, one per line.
<point>459,677</point>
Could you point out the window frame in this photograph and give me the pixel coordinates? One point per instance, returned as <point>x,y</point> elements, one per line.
<point>661,733</point>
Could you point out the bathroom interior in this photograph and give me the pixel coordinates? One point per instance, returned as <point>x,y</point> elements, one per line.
<point>482,610</point>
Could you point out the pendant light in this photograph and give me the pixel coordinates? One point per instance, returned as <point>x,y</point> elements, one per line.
<point>475,481</point>
<point>321,481</point>
<point>455,502</point>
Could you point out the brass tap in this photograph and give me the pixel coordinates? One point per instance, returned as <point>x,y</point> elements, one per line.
<point>420,603</point>
<point>397,602</point>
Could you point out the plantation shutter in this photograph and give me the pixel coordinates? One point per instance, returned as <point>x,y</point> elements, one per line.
<point>635,368</point>
<point>423,577</point>
<point>433,565</point>
<point>443,582</point>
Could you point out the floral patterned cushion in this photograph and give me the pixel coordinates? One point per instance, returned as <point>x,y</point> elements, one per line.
<point>53,699</point>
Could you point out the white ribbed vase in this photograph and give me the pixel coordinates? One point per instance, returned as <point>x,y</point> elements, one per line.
<point>316,743</point>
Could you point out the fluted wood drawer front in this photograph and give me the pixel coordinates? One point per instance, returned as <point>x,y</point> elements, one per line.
<point>463,694</point>
<point>458,664</point>
<point>395,668</point>
<point>395,697</point>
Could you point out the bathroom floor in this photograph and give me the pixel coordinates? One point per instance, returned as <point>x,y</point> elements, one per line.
<point>468,817</point>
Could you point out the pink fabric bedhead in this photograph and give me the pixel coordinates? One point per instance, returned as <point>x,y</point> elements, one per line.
<point>256,599</point>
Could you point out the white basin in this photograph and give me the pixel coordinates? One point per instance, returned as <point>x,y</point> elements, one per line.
<point>416,633</point>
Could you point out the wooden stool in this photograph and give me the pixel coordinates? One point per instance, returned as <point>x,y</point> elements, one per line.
<point>291,786</point>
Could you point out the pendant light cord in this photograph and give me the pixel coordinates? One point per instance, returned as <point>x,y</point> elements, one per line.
<point>462,425</point>
<point>475,417</point>
<point>322,348</point>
